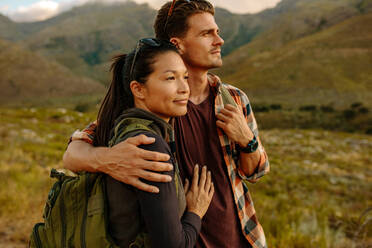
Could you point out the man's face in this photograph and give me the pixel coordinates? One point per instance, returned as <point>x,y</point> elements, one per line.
<point>201,46</point>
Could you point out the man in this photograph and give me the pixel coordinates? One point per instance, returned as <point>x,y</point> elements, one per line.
<point>224,138</point>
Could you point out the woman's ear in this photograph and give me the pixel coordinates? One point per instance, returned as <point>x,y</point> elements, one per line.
<point>178,43</point>
<point>138,89</point>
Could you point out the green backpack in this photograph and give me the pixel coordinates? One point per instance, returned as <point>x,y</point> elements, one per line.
<point>75,213</point>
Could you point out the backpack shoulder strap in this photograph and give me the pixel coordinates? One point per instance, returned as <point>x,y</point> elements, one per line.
<point>128,128</point>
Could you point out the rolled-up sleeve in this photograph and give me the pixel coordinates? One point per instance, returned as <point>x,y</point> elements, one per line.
<point>263,166</point>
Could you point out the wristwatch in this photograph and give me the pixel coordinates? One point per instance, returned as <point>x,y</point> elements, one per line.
<point>251,147</point>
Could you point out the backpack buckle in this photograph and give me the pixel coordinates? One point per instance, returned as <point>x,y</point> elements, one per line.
<point>56,174</point>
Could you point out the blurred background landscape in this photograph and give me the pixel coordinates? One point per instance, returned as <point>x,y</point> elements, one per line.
<point>306,66</point>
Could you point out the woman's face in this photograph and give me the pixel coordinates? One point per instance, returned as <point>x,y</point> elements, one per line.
<point>166,91</point>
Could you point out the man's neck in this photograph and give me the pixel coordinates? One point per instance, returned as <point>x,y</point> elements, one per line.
<point>199,86</point>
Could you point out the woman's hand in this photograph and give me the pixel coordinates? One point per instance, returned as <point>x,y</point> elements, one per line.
<point>199,195</point>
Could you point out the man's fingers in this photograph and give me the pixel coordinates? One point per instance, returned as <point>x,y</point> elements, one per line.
<point>203,178</point>
<point>140,140</point>
<point>143,186</point>
<point>154,156</point>
<point>223,117</point>
<point>155,166</point>
<point>154,177</point>
<point>221,124</point>
<point>195,178</point>
<point>231,107</point>
<point>227,112</point>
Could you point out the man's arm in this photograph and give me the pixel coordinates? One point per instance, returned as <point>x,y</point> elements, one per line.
<point>240,126</point>
<point>125,161</point>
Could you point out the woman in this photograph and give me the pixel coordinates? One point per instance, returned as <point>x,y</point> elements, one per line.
<point>150,85</point>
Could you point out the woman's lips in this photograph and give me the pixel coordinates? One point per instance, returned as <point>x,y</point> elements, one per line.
<point>181,101</point>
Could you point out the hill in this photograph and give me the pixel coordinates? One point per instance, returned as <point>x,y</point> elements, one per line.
<point>8,28</point>
<point>294,19</point>
<point>86,37</point>
<point>28,78</point>
<point>328,67</point>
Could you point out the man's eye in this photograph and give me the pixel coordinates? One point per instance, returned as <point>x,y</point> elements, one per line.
<point>186,77</point>
<point>170,78</point>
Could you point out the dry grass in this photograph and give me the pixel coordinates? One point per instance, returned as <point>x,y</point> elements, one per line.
<point>319,185</point>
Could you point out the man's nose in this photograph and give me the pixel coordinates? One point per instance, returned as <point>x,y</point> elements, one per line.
<point>219,40</point>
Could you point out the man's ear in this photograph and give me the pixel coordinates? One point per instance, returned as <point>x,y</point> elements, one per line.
<point>178,43</point>
<point>138,89</point>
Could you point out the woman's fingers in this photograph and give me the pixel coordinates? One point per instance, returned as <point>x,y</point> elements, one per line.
<point>203,178</point>
<point>195,179</point>
<point>186,186</point>
<point>211,191</point>
<point>208,183</point>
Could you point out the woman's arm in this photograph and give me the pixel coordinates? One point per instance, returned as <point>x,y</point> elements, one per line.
<point>160,211</point>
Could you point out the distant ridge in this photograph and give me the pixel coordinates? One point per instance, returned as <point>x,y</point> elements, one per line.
<point>270,54</point>
<point>85,38</point>
<point>28,77</point>
<point>329,67</point>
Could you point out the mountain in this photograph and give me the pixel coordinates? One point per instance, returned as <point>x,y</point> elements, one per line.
<point>8,28</point>
<point>26,77</point>
<point>86,37</point>
<point>294,19</point>
<point>331,66</point>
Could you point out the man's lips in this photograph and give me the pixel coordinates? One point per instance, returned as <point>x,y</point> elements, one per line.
<point>216,51</point>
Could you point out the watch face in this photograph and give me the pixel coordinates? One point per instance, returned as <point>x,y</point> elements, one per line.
<point>255,146</point>
<point>251,147</point>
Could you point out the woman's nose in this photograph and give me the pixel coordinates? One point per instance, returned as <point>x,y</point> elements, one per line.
<point>183,86</point>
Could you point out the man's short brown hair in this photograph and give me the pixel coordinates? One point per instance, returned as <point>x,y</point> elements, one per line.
<point>176,25</point>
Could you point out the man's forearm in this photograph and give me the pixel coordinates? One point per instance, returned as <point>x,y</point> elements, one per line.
<point>81,156</point>
<point>249,162</point>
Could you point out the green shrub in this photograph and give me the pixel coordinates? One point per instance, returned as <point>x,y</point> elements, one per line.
<point>260,108</point>
<point>363,110</point>
<point>275,106</point>
<point>327,109</point>
<point>356,105</point>
<point>82,107</point>
<point>308,108</point>
<point>349,114</point>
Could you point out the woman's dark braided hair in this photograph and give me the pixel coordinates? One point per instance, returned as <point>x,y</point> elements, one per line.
<point>119,96</point>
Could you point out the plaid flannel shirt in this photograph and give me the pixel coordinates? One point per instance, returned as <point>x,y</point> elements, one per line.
<point>251,228</point>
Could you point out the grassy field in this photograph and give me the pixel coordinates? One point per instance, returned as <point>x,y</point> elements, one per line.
<point>319,186</point>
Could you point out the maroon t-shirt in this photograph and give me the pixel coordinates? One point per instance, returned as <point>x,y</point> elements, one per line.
<point>198,143</point>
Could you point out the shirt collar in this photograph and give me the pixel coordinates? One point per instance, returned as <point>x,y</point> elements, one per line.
<point>214,82</point>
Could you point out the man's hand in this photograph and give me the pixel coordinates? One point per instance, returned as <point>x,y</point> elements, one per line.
<point>125,161</point>
<point>232,121</point>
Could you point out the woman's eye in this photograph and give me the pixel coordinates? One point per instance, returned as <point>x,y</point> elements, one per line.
<point>186,77</point>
